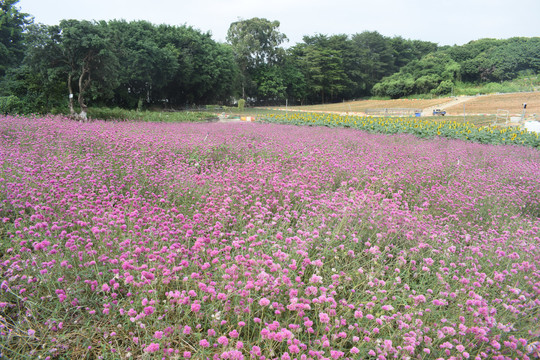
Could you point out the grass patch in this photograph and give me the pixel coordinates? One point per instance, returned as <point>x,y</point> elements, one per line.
<point>149,116</point>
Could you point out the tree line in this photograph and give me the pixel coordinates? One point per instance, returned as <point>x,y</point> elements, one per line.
<point>481,61</point>
<point>66,67</point>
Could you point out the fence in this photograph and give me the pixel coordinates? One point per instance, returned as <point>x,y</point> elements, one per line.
<point>393,112</point>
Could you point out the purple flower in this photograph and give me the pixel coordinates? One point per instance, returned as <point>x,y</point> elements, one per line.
<point>204,343</point>
<point>324,318</point>
<point>223,340</point>
<point>153,347</point>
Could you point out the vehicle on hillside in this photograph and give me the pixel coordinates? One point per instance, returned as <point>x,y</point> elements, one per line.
<point>439,112</point>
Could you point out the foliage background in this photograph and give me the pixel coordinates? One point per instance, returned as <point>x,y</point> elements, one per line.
<point>138,65</point>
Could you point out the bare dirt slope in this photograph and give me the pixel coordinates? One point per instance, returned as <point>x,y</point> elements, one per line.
<point>482,104</point>
<point>361,106</point>
<point>489,104</point>
<point>450,104</point>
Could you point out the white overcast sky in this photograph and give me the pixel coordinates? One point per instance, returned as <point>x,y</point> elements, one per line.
<point>444,22</point>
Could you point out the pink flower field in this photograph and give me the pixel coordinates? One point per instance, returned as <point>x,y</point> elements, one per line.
<point>261,241</point>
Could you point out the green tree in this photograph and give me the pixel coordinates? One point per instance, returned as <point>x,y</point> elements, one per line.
<point>326,74</point>
<point>405,51</point>
<point>445,87</point>
<point>145,65</point>
<point>421,76</point>
<point>515,56</point>
<point>33,81</point>
<point>323,61</point>
<point>424,84</point>
<point>82,52</point>
<point>395,86</point>
<point>255,42</point>
<point>207,70</point>
<point>294,79</point>
<point>12,26</point>
<point>270,83</point>
<point>378,56</point>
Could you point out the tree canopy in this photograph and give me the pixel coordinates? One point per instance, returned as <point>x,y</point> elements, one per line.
<point>12,26</point>
<point>138,64</point>
<point>485,60</point>
<point>256,45</point>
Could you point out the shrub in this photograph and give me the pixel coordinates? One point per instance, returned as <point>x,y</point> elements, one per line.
<point>10,105</point>
<point>241,104</point>
<point>445,87</point>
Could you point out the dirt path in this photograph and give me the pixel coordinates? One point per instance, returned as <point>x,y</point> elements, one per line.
<point>458,100</point>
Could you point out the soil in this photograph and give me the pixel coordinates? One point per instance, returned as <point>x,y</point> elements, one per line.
<point>361,106</point>
<point>481,104</point>
<point>489,104</point>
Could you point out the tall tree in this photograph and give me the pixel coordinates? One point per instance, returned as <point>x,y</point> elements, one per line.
<point>255,42</point>
<point>322,60</point>
<point>206,69</point>
<point>83,52</point>
<point>12,26</point>
<point>147,66</point>
<point>379,56</point>
<point>39,86</point>
<point>270,83</point>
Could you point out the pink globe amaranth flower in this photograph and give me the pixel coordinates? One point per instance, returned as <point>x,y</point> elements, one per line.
<point>223,340</point>
<point>149,310</point>
<point>204,343</point>
<point>187,354</point>
<point>158,334</point>
<point>234,334</point>
<point>105,287</point>
<point>153,347</point>
<point>264,302</point>
<point>324,318</point>
<point>354,350</point>
<point>147,275</point>
<point>294,349</point>
<point>195,307</point>
<point>31,332</point>
<point>256,350</point>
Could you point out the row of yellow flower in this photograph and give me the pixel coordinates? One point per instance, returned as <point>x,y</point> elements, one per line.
<point>418,126</point>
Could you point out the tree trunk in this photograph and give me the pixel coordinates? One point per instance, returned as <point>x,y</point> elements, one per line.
<point>71,108</point>
<point>84,108</point>
<point>83,85</point>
